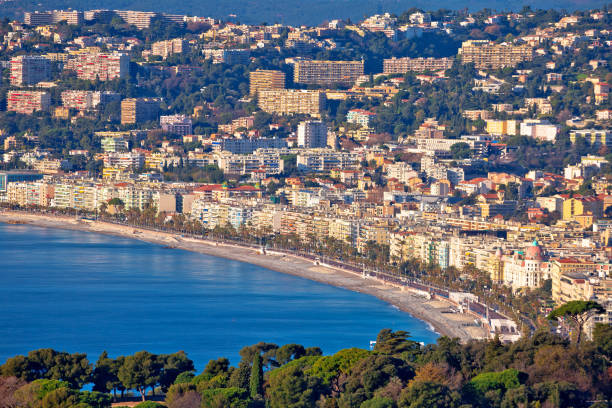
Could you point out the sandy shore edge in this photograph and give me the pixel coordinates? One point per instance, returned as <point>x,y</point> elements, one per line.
<point>434,312</point>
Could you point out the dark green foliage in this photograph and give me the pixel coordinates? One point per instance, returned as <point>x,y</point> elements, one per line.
<point>184,377</point>
<point>378,402</point>
<point>542,370</point>
<point>240,376</point>
<point>329,367</point>
<point>50,364</point>
<point>95,399</point>
<point>389,342</point>
<point>43,387</point>
<point>372,373</point>
<point>266,350</point>
<point>256,380</point>
<point>172,365</point>
<point>105,374</point>
<point>461,150</point>
<point>139,372</point>
<point>503,380</point>
<point>602,337</point>
<point>313,351</point>
<point>292,388</point>
<point>427,395</point>
<point>225,398</point>
<point>150,404</point>
<point>289,352</point>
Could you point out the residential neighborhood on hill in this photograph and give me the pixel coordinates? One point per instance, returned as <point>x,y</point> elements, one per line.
<point>468,150</point>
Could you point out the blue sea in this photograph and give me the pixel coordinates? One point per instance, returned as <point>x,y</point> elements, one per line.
<point>84,292</point>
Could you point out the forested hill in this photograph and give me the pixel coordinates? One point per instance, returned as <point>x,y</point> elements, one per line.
<point>539,371</point>
<point>292,12</point>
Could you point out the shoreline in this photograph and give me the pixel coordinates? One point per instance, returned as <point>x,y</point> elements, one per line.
<point>435,313</point>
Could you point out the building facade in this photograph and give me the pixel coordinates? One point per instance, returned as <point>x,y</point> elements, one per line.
<point>406,64</point>
<point>327,72</point>
<point>100,66</point>
<point>29,70</point>
<point>488,55</point>
<point>262,80</point>
<point>291,101</point>
<point>312,134</point>
<point>28,102</point>
<point>138,110</point>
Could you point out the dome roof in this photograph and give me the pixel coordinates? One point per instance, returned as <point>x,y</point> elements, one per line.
<point>534,252</point>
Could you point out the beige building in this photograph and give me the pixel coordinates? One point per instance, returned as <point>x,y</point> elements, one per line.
<point>30,194</point>
<point>29,70</point>
<point>291,101</point>
<point>137,110</point>
<point>28,102</point>
<point>569,276</point>
<point>263,80</point>
<point>403,65</point>
<point>99,66</point>
<point>327,72</point>
<point>169,47</point>
<point>488,55</point>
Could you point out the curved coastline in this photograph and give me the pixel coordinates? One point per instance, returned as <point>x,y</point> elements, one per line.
<point>433,312</point>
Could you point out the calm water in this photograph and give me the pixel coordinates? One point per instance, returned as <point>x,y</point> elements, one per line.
<point>84,292</point>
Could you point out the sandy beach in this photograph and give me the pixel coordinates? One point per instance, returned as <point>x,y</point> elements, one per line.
<point>435,312</point>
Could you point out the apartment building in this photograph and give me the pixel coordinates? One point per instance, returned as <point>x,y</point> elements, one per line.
<point>312,134</point>
<point>292,101</point>
<point>100,66</point>
<point>123,160</point>
<point>488,55</point>
<point>401,171</point>
<point>242,123</point>
<point>38,18</point>
<point>30,193</point>
<point>570,277</point>
<point>178,124</point>
<point>114,144</point>
<point>138,110</point>
<point>82,196</point>
<point>539,129</point>
<point>249,145</point>
<point>344,230</point>
<point>243,164</point>
<point>166,48</point>
<point>87,100</point>
<point>28,102</point>
<point>577,206</point>
<point>499,127</point>
<point>263,80</point>
<point>13,176</point>
<point>140,19</point>
<point>228,56</point>
<point>406,64</point>
<point>29,70</point>
<point>325,160</point>
<point>594,137</point>
<point>360,116</point>
<point>327,72</point>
